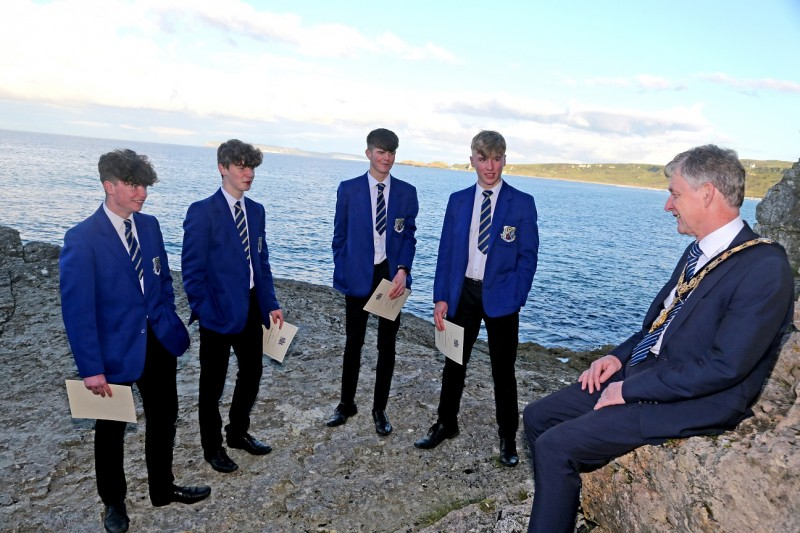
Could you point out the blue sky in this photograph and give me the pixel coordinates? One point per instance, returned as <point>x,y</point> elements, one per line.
<point>567,81</point>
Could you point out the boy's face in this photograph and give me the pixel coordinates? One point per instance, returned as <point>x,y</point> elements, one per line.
<point>380,162</point>
<point>237,179</point>
<point>123,198</point>
<point>488,168</point>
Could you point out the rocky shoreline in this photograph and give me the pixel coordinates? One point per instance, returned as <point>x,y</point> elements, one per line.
<point>316,479</point>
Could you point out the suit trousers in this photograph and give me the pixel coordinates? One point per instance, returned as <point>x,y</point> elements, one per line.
<point>160,400</point>
<point>215,352</point>
<point>503,337</point>
<point>566,436</point>
<point>355,330</point>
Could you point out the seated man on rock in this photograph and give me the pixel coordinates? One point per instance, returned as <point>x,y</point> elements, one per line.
<point>708,343</point>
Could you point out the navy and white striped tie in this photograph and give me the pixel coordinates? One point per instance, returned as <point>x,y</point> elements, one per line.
<point>133,249</point>
<point>649,340</point>
<point>380,211</point>
<point>485,222</point>
<point>241,227</point>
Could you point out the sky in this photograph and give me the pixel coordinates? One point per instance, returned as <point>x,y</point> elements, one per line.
<point>569,81</point>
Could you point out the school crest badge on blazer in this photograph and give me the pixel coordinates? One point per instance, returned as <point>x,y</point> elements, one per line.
<point>399,225</point>
<point>157,266</point>
<point>509,233</point>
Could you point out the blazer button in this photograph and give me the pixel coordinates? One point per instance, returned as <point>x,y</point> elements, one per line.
<point>142,332</point>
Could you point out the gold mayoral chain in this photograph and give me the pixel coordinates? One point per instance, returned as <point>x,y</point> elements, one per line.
<point>684,288</point>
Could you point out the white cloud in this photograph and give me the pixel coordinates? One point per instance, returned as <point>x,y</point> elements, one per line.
<point>753,86</point>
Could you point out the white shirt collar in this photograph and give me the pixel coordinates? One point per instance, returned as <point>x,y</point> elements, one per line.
<point>720,239</point>
<point>373,182</point>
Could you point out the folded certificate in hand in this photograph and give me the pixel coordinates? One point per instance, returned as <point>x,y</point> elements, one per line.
<point>277,341</point>
<point>380,304</point>
<point>83,403</point>
<point>451,341</point>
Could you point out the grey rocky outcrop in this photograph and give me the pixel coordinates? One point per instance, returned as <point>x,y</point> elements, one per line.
<point>778,215</point>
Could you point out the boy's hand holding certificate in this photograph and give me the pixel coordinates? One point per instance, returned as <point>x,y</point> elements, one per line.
<point>380,304</point>
<point>277,340</point>
<point>83,403</point>
<point>451,341</point>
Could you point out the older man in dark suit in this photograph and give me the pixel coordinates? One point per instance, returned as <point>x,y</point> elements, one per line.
<point>708,342</point>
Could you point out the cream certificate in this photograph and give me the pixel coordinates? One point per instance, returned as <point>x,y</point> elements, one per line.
<point>380,304</point>
<point>277,341</point>
<point>451,341</point>
<point>83,403</point>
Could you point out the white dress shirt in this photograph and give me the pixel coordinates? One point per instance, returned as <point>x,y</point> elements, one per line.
<point>476,264</point>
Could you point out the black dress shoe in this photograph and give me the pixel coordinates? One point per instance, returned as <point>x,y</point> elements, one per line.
<point>116,520</point>
<point>220,461</point>
<point>181,495</point>
<point>248,443</point>
<point>508,452</point>
<point>435,436</point>
<point>341,414</point>
<point>382,425</point>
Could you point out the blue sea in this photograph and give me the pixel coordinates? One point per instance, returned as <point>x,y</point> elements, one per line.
<point>604,250</point>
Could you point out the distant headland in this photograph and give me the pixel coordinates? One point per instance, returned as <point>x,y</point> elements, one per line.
<point>761,175</point>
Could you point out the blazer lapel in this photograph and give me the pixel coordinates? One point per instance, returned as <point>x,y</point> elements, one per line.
<point>708,283</point>
<point>223,214</point>
<point>115,249</point>
<point>500,211</point>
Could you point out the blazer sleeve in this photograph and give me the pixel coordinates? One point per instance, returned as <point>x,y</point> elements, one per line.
<point>408,245</point>
<point>340,227</point>
<point>528,255</point>
<point>196,236</point>
<point>444,258</point>
<point>267,281</point>
<point>743,315</point>
<point>78,303</point>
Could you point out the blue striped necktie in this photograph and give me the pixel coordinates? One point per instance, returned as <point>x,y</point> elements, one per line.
<point>134,250</point>
<point>649,340</point>
<point>241,227</point>
<point>485,222</point>
<point>380,211</point>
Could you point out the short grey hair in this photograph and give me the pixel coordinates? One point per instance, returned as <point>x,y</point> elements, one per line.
<point>711,164</point>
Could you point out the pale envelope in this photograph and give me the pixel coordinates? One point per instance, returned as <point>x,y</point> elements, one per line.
<point>276,341</point>
<point>83,403</point>
<point>380,304</point>
<point>451,342</point>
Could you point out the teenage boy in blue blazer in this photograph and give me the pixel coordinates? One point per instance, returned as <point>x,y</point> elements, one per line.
<point>119,313</point>
<point>373,239</point>
<point>697,371</point>
<point>228,281</point>
<point>484,271</point>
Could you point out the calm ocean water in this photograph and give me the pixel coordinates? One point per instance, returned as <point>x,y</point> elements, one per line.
<point>604,250</point>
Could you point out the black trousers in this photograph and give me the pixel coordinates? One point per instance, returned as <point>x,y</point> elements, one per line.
<point>160,398</point>
<point>503,336</point>
<point>215,351</point>
<point>355,330</point>
<point>566,436</point>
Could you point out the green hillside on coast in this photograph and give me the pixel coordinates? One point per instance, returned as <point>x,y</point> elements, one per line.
<point>761,175</point>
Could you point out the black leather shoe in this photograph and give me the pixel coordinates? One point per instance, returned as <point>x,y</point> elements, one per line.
<point>382,425</point>
<point>220,461</point>
<point>435,436</point>
<point>116,520</point>
<point>508,452</point>
<point>182,495</point>
<point>341,414</point>
<point>248,443</point>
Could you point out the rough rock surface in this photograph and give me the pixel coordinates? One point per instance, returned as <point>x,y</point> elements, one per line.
<point>778,214</point>
<point>316,479</point>
<point>743,480</point>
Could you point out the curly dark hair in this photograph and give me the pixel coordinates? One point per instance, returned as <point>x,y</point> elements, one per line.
<point>128,167</point>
